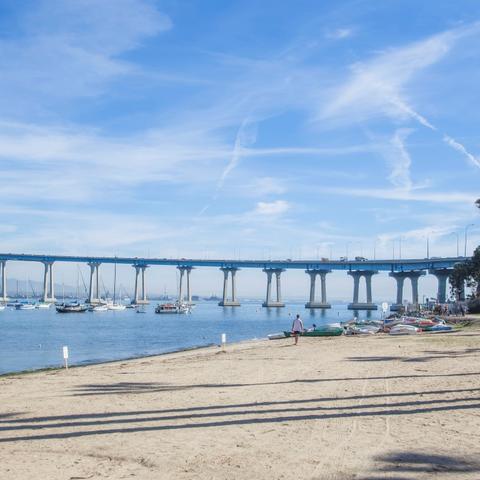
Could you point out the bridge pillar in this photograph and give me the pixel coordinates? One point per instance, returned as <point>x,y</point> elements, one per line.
<point>312,303</point>
<point>188,297</point>
<point>3,271</point>
<point>136,296</point>
<point>140,299</point>
<point>413,276</point>
<point>268,300</point>
<point>356,304</point>
<point>225,302</point>
<point>48,284</point>
<point>93,292</point>
<point>442,278</point>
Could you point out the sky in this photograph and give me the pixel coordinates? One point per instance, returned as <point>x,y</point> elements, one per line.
<point>239,129</point>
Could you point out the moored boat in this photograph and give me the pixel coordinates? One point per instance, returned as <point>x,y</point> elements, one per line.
<point>71,308</point>
<point>100,308</point>
<point>25,306</point>
<point>176,308</point>
<point>42,305</point>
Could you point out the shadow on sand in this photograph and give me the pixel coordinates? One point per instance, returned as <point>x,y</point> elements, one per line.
<point>413,465</point>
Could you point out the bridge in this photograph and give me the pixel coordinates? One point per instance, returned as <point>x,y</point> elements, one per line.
<point>399,269</point>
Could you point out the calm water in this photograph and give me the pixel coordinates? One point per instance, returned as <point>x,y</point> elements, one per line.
<point>33,339</point>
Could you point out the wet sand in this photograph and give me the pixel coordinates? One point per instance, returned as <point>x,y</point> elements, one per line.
<point>331,408</point>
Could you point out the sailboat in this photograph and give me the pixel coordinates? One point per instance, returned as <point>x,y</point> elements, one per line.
<point>113,305</point>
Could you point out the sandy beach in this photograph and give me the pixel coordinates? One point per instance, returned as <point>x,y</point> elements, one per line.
<point>331,408</point>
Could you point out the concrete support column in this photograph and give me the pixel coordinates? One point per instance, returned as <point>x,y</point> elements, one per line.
<point>45,282</point>
<point>442,278</point>
<point>144,300</point>
<point>414,276</point>
<point>268,300</point>
<point>52,284</point>
<point>97,282</point>
<point>414,281</point>
<point>136,296</point>
<point>323,283</point>
<point>279,286</point>
<point>180,287</point>
<point>312,303</point>
<point>234,286</point>
<point>3,271</point>
<point>233,302</point>
<point>368,281</point>
<point>48,289</point>
<point>313,278</point>
<point>189,292</point>
<point>93,291</point>
<point>225,286</point>
<point>188,297</point>
<point>356,304</point>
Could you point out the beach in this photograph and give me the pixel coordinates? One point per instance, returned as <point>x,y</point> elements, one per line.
<point>330,408</point>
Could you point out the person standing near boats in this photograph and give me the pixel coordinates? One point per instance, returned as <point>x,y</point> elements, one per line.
<point>297,328</point>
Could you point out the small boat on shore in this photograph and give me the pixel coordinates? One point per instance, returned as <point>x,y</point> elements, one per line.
<point>2,307</point>
<point>176,308</point>
<point>325,331</point>
<point>404,330</point>
<point>71,308</point>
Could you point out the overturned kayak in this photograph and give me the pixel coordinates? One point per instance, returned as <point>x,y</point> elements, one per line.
<point>362,329</point>
<point>438,328</point>
<point>320,332</point>
<point>276,336</point>
<point>404,330</point>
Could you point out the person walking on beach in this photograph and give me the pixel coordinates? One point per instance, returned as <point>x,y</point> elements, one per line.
<point>297,328</point>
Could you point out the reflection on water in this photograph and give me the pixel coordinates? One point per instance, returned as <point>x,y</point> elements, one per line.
<point>34,338</point>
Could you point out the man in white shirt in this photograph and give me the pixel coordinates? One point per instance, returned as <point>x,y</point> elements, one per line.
<point>297,328</point>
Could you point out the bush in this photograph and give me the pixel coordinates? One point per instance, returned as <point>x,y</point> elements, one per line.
<point>474,306</point>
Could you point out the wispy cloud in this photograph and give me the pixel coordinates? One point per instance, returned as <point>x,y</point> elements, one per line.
<point>405,195</point>
<point>278,207</point>
<point>339,33</point>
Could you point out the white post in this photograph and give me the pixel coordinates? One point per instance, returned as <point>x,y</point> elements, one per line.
<point>65,356</point>
<point>224,341</point>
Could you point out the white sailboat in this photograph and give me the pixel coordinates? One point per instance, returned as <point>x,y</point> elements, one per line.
<point>115,306</point>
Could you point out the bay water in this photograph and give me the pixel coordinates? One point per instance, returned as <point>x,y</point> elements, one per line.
<point>33,339</point>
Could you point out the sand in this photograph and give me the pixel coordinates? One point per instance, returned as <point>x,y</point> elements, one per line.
<point>331,408</point>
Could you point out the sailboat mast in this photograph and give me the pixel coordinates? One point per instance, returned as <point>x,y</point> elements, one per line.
<point>114,282</point>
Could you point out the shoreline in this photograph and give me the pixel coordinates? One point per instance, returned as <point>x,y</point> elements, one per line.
<point>127,359</point>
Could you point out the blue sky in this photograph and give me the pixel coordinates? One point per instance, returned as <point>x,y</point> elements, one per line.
<point>247,129</point>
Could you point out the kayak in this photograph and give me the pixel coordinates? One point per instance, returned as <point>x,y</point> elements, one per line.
<point>276,336</point>
<point>404,330</point>
<point>320,332</point>
<point>438,328</point>
<point>362,329</point>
